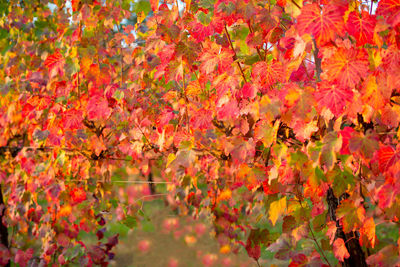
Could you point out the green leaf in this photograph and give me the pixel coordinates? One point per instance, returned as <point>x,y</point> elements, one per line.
<point>3,33</point>
<point>319,222</point>
<point>205,19</point>
<point>351,215</point>
<point>241,33</point>
<point>366,145</point>
<point>341,180</point>
<point>142,6</point>
<point>119,95</point>
<point>250,60</point>
<point>208,4</point>
<point>148,226</point>
<point>118,228</point>
<point>130,221</point>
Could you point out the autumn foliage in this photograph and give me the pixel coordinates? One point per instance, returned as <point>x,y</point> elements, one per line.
<point>279,120</point>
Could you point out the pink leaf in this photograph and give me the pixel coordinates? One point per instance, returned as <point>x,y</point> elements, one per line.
<point>98,108</point>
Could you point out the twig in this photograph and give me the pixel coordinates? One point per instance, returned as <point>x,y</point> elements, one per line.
<point>258,50</point>
<point>177,6</point>
<point>268,156</point>
<point>235,57</point>
<point>141,182</point>
<point>297,5</point>
<point>186,100</point>
<point>315,239</point>
<point>317,61</point>
<point>370,9</point>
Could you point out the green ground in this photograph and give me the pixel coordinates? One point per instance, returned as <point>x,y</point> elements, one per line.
<point>154,243</point>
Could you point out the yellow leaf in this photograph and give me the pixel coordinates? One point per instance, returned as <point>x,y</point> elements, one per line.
<point>171,158</point>
<point>188,3</point>
<point>64,211</point>
<point>74,52</point>
<point>225,195</point>
<point>277,209</point>
<point>193,88</point>
<point>85,64</point>
<point>293,7</point>
<point>225,249</point>
<point>373,95</point>
<point>190,240</point>
<point>292,96</point>
<point>377,58</point>
<point>140,17</point>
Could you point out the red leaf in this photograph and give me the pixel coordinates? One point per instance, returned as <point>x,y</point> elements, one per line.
<point>23,257</point>
<point>202,119</point>
<point>361,26</point>
<point>229,110</point>
<point>387,256</point>
<point>323,23</point>
<point>78,194</point>
<point>253,250</point>
<point>165,117</point>
<point>248,91</point>
<point>386,196</point>
<point>55,64</point>
<point>5,254</point>
<point>72,119</point>
<point>75,5</point>
<point>299,260</point>
<point>390,10</point>
<point>346,134</point>
<point>387,157</point>
<point>332,97</point>
<point>267,74</point>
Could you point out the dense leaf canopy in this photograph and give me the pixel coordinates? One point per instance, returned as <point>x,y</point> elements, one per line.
<point>277,119</point>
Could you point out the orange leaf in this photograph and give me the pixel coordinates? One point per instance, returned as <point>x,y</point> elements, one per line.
<point>268,74</point>
<point>331,232</point>
<point>340,250</point>
<point>154,5</point>
<point>372,94</point>
<point>215,55</point>
<point>351,215</point>
<point>346,67</point>
<point>368,231</point>
<point>64,211</point>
